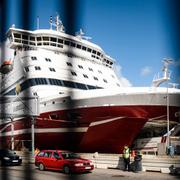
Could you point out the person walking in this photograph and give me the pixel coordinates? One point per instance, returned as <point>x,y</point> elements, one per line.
<point>126,158</point>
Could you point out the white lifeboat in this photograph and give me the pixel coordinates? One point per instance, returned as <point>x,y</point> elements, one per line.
<point>6,67</point>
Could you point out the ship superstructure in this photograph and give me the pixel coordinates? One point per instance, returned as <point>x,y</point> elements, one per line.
<point>83,103</point>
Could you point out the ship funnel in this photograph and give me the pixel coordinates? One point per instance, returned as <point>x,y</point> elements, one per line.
<point>166,74</point>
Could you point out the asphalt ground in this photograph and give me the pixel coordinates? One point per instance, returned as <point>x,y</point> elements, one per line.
<point>30,172</point>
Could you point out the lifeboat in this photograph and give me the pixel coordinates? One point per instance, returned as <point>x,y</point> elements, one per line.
<point>6,67</point>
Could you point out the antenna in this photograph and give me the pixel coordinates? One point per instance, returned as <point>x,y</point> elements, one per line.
<point>80,34</point>
<point>166,74</point>
<point>58,24</point>
<point>165,68</point>
<point>166,62</point>
<point>37,22</point>
<point>50,21</point>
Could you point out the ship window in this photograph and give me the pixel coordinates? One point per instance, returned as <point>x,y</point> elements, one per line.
<point>17,35</point>
<point>73,73</point>
<point>118,84</point>
<point>69,84</point>
<point>99,71</point>
<point>25,37</point>
<point>52,81</point>
<point>32,43</point>
<point>78,46</point>
<point>43,80</point>
<point>32,82</point>
<point>48,60</point>
<point>73,44</point>
<point>81,86</point>
<point>52,69</point>
<point>37,68</point>
<point>90,87</point>
<point>98,53</point>
<point>40,81</point>
<point>89,50</point>
<point>111,63</point>
<point>24,85</point>
<point>59,45</point>
<point>81,67</point>
<point>66,42</point>
<point>90,69</point>
<point>95,78</point>
<point>25,42</point>
<point>69,64</point>
<point>105,80</point>
<point>85,75</point>
<point>53,39</point>
<point>39,38</point>
<point>39,44</point>
<point>112,76</point>
<point>18,40</point>
<point>46,43</point>
<point>60,41</point>
<point>55,82</point>
<point>84,48</point>
<point>32,38</point>
<point>53,44</point>
<point>34,58</point>
<point>45,38</point>
<point>69,55</point>
<point>26,69</point>
<point>94,52</point>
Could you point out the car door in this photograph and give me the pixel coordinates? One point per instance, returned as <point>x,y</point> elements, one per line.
<point>56,161</point>
<point>47,159</point>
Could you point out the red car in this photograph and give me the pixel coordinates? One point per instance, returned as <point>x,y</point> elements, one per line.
<point>66,161</point>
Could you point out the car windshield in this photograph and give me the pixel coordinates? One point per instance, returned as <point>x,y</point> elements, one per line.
<point>7,152</point>
<point>69,155</point>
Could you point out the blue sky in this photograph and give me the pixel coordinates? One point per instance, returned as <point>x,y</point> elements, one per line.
<point>138,34</point>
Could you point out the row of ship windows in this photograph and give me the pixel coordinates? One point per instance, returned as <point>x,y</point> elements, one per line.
<point>38,68</point>
<point>44,81</point>
<point>56,42</point>
<point>68,64</point>
<point>26,38</point>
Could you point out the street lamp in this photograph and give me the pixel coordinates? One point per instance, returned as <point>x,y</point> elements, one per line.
<point>167,105</point>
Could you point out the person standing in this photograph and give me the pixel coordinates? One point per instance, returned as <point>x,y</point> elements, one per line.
<point>126,158</point>
<point>137,162</point>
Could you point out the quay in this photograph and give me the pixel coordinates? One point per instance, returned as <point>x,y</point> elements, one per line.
<point>150,163</point>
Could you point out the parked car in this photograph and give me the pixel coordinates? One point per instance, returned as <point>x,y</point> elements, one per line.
<point>8,157</point>
<point>66,161</point>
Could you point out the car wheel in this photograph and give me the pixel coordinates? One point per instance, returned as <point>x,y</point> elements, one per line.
<point>66,170</point>
<point>41,167</point>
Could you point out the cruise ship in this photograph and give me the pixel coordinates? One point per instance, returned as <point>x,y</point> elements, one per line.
<point>83,105</point>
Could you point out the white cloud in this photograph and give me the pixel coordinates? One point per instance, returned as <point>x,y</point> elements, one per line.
<point>125,82</point>
<point>146,71</point>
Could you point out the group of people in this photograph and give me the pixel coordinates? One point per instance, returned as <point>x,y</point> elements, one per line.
<point>127,153</point>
